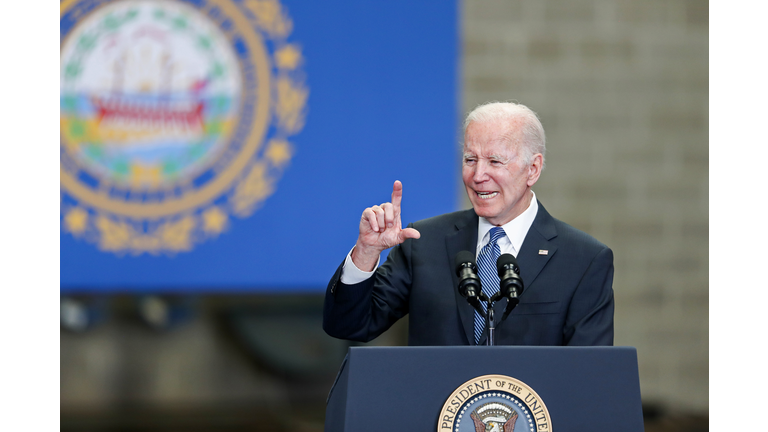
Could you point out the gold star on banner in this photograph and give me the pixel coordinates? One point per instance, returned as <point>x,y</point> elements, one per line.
<point>214,220</point>
<point>76,220</point>
<point>279,151</point>
<point>288,57</point>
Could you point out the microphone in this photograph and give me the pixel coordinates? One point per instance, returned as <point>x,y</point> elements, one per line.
<point>469,282</point>
<point>510,284</point>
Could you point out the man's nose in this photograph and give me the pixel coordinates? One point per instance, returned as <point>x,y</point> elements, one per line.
<point>481,171</point>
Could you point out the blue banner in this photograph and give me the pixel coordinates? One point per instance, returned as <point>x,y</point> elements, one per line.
<point>229,146</point>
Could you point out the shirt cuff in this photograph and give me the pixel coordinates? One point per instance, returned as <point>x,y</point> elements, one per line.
<point>351,275</point>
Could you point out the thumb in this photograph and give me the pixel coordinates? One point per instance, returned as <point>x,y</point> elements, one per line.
<point>407,233</point>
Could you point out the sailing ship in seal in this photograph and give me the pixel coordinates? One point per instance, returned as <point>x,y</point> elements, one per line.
<point>175,116</point>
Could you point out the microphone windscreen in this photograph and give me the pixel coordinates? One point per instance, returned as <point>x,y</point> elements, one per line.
<point>462,258</point>
<point>504,260</point>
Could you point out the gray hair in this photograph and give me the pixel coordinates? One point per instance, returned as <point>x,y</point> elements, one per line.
<point>531,130</point>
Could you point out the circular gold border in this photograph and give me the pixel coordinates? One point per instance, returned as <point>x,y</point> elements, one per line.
<point>494,382</point>
<point>214,189</point>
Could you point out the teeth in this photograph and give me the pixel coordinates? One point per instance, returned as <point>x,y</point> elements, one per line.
<point>487,195</point>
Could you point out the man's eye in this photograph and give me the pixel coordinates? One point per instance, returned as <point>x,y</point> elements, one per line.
<point>469,161</point>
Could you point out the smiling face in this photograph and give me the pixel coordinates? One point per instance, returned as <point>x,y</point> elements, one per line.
<point>494,170</point>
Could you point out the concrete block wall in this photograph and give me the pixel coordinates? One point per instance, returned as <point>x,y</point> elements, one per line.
<point>621,87</point>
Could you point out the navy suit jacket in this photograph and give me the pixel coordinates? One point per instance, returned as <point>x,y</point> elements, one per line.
<point>567,297</point>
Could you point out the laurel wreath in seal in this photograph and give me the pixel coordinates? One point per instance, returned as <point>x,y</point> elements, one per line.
<point>176,220</point>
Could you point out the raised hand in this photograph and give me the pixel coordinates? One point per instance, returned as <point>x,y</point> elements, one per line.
<point>380,229</point>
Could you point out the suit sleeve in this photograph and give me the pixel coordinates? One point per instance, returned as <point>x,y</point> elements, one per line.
<point>590,313</point>
<point>363,311</point>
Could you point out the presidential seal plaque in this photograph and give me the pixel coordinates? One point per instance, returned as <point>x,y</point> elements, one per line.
<point>494,403</point>
<point>175,117</point>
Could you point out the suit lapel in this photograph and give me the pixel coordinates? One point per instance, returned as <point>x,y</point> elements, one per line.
<point>537,248</point>
<point>463,238</point>
<point>531,257</point>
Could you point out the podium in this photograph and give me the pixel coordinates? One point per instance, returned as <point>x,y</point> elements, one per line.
<point>591,389</point>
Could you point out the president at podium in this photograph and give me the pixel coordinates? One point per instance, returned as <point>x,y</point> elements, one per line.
<point>566,275</point>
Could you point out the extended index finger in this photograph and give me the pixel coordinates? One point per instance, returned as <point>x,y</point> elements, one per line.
<point>397,195</point>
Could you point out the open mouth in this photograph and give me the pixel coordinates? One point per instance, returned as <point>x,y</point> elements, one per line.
<point>486,195</point>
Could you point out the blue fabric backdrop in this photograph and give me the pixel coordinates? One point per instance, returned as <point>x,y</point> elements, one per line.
<point>382,106</point>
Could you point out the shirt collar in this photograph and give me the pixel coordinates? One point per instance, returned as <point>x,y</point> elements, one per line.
<point>516,229</point>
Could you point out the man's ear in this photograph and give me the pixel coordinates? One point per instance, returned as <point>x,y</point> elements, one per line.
<point>534,169</point>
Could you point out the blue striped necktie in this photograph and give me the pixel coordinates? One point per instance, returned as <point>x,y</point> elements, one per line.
<point>486,263</point>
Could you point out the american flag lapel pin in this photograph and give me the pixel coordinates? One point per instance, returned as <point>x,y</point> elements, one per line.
<point>543,252</point>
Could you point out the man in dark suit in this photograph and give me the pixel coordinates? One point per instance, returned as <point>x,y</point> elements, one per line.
<point>567,274</point>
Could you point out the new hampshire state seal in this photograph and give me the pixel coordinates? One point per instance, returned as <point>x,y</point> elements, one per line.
<point>494,403</point>
<point>176,116</point>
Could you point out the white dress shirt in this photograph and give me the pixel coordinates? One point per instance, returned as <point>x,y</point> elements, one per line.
<point>516,230</point>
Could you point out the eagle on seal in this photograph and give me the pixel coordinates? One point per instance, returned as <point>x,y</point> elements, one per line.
<point>509,425</point>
